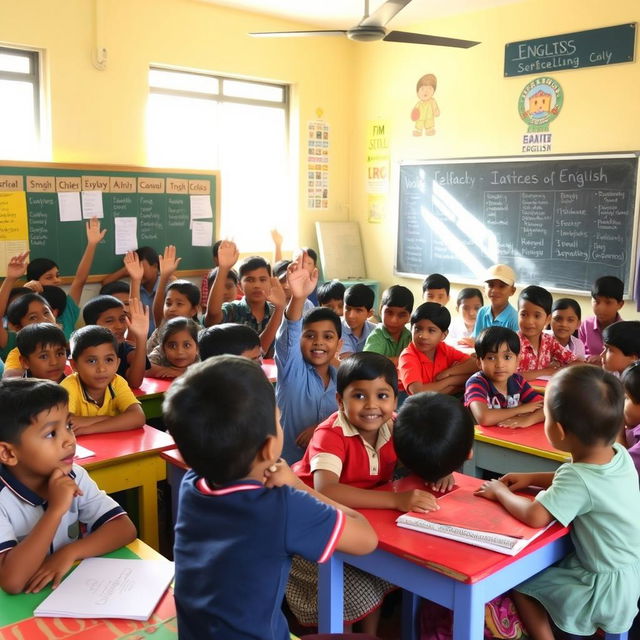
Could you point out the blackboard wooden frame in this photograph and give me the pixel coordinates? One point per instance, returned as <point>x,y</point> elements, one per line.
<point>197,260</point>
<point>633,196</point>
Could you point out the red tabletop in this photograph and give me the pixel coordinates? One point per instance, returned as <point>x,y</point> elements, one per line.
<point>174,457</point>
<point>532,437</point>
<point>121,444</point>
<point>458,560</point>
<point>270,370</point>
<point>153,386</point>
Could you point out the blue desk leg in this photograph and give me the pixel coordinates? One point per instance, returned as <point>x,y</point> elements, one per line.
<point>468,613</point>
<point>330,609</point>
<point>410,615</point>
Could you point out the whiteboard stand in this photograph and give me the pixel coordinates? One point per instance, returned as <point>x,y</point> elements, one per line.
<point>340,250</point>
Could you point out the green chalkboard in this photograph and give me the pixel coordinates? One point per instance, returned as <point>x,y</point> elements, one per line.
<point>160,200</point>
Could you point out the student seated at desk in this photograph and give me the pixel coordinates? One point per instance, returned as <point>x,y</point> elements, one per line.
<point>540,353</point>
<point>468,303</point>
<point>230,339</point>
<point>428,364</point>
<point>436,288</point>
<point>243,513</point>
<point>43,352</point>
<point>99,399</point>
<point>497,395</point>
<point>358,305</point>
<point>331,295</point>
<point>499,286</point>
<point>565,321</point>
<point>47,500</point>
<point>231,291</point>
<point>118,289</point>
<point>621,346</point>
<point>598,584</point>
<point>178,348</point>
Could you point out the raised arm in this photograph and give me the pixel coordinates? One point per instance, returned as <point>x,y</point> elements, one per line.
<point>135,271</point>
<point>137,328</point>
<point>227,256</point>
<point>16,268</point>
<point>94,235</point>
<point>278,299</point>
<point>276,236</point>
<point>168,266</point>
<point>301,283</point>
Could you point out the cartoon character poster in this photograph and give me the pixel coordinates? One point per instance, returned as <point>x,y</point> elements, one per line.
<point>426,110</point>
<point>540,103</point>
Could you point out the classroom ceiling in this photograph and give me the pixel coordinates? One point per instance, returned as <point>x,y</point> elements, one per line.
<point>341,14</point>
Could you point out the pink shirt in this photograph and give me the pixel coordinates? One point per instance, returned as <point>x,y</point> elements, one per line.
<point>590,333</point>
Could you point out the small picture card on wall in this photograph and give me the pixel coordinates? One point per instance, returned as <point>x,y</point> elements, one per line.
<point>318,165</point>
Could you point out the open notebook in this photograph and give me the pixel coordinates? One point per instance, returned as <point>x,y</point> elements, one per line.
<point>468,518</point>
<point>109,588</point>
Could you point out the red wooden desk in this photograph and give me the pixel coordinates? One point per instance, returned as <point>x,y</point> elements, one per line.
<point>176,468</point>
<point>539,384</point>
<point>151,393</point>
<point>458,576</point>
<point>129,460</point>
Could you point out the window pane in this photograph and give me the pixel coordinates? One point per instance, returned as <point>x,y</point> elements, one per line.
<point>164,79</point>
<point>253,90</point>
<point>18,133</point>
<point>182,132</point>
<point>16,63</point>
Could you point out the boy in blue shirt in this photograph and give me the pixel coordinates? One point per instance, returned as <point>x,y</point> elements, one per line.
<point>243,514</point>
<point>305,348</point>
<point>500,281</point>
<point>358,304</point>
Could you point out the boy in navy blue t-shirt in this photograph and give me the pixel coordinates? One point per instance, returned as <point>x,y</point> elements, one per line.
<point>243,513</point>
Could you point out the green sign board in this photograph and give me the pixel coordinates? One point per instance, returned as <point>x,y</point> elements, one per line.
<point>593,48</point>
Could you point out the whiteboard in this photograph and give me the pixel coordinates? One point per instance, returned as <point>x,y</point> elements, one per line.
<point>340,250</point>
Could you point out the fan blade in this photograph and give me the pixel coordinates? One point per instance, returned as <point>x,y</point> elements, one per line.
<point>297,34</point>
<point>384,13</point>
<point>422,38</point>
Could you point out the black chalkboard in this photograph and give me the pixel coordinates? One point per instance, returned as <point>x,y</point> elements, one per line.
<point>560,222</point>
<point>163,216</point>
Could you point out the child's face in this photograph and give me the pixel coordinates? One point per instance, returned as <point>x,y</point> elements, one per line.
<point>499,366</point>
<point>436,295</point>
<point>181,349</point>
<point>46,362</point>
<point>564,322</point>
<point>177,305</point>
<point>425,92</point>
<point>254,354</point>
<point>631,412</point>
<point>532,319</point>
<point>230,290</point>
<point>149,272</point>
<point>394,319</point>
<point>50,278</point>
<point>355,317</point>
<point>319,342</point>
<point>96,366</point>
<point>614,360</point>
<point>37,312</point>
<point>336,305</point>
<point>256,285</point>
<point>605,309</point>
<point>498,293</point>
<point>426,336</point>
<point>368,404</point>
<point>46,444</point>
<point>114,319</point>
<point>468,309</point>
<point>124,298</point>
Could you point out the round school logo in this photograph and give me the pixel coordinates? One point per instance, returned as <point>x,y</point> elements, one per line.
<point>540,103</point>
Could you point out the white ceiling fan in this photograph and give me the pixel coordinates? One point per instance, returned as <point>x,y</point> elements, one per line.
<point>372,27</point>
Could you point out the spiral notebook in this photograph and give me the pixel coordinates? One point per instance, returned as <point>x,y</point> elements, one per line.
<point>468,518</point>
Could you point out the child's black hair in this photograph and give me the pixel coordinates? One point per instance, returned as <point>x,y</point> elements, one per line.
<point>119,286</point>
<point>436,281</point>
<point>19,308</point>
<point>538,296</point>
<point>588,402</point>
<point>332,290</point>
<point>214,248</point>
<point>22,399</point>
<point>359,295</point>
<point>42,334</point>
<point>631,381</point>
<point>174,325</point>
<point>397,296</point>
<point>231,275</point>
<point>280,268</point>
<point>469,292</point>
<point>189,290</point>
<point>251,264</point>
<point>38,267</point>
<point>366,365</point>
<point>311,253</point>
<point>219,434</point>
<point>608,287</point>
<point>317,314</point>
<point>227,338</point>
<point>433,435</point>
<point>150,255</point>
<point>56,298</point>
<point>624,335</point>
<point>16,292</point>
<point>95,307</point>
<point>434,312</point>
<point>491,338</point>
<point>91,336</point>
<point>562,304</point>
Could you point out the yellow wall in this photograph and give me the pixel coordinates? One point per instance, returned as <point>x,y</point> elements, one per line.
<point>478,105</point>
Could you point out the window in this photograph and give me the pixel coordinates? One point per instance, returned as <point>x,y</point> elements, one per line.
<point>201,121</point>
<point>20,127</point>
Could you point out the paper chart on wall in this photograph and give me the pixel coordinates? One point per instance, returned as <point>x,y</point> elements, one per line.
<point>126,234</point>
<point>92,205</point>
<point>13,227</point>
<point>69,206</point>
<point>318,165</point>
<point>201,233</point>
